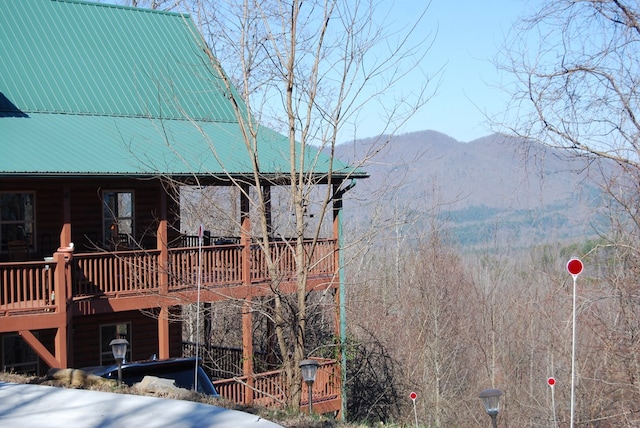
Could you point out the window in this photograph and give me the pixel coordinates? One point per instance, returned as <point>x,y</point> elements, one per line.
<point>117,218</point>
<point>17,218</point>
<point>108,332</point>
<point>17,356</point>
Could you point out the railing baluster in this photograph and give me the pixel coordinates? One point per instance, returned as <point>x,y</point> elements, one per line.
<point>23,286</point>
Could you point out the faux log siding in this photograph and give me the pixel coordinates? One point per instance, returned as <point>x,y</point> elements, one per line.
<point>86,210</point>
<point>49,218</point>
<point>48,209</point>
<point>144,336</point>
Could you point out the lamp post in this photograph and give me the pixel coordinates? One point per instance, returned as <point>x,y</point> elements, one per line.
<point>119,349</point>
<point>309,369</point>
<point>491,400</point>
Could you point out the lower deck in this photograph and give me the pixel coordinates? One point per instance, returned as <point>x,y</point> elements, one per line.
<point>74,304</point>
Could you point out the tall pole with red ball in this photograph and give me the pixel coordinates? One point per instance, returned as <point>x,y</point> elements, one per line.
<point>413,397</point>
<point>551,381</point>
<point>574,266</point>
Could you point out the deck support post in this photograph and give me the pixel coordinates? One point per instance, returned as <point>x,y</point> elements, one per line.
<point>163,333</point>
<point>247,349</point>
<point>162,243</point>
<point>247,317</point>
<point>62,286</point>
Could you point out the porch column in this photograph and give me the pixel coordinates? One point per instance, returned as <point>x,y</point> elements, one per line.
<point>163,333</point>
<point>266,192</point>
<point>63,341</point>
<point>63,285</point>
<point>247,317</point>
<point>162,239</point>
<point>65,231</point>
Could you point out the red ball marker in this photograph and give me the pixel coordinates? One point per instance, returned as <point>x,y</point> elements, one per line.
<point>551,381</point>
<point>574,266</point>
<point>413,396</point>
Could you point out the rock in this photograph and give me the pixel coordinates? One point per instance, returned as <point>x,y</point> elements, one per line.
<point>78,378</point>
<point>159,386</point>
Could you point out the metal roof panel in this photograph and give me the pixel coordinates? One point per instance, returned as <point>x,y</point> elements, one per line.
<point>91,88</point>
<point>49,143</point>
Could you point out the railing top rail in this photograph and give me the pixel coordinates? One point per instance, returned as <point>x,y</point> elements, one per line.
<point>114,253</point>
<point>34,263</point>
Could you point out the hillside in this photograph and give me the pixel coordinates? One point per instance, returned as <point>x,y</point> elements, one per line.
<point>488,192</point>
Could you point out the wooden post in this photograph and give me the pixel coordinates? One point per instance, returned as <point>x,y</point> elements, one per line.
<point>247,317</point>
<point>162,239</point>
<point>62,287</point>
<point>266,191</point>
<point>65,232</point>
<point>163,333</point>
<point>247,349</point>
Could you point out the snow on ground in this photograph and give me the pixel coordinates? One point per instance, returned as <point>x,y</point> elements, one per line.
<point>26,406</point>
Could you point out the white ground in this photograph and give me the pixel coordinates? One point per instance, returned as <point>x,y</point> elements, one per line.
<point>26,406</point>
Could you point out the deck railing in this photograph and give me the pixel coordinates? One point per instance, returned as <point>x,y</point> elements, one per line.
<point>268,389</point>
<point>115,273</point>
<point>217,265</point>
<point>27,286</point>
<point>321,261</point>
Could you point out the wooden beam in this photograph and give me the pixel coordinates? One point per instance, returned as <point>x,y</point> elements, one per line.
<point>39,348</point>
<point>247,349</point>
<point>62,286</point>
<point>247,318</point>
<point>162,243</point>
<point>13,323</point>
<point>163,333</point>
<point>65,232</point>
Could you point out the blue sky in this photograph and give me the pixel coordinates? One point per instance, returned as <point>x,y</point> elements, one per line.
<point>469,34</point>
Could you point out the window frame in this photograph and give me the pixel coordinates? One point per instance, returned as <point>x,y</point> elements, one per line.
<point>113,232</point>
<point>30,235</point>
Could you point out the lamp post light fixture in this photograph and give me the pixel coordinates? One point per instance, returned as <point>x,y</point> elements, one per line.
<point>119,350</point>
<point>491,400</point>
<point>309,369</point>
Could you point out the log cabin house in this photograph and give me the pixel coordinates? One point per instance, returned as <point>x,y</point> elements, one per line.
<point>100,107</point>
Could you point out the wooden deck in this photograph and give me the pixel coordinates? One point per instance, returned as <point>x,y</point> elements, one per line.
<point>45,294</point>
<point>267,389</point>
<point>141,277</point>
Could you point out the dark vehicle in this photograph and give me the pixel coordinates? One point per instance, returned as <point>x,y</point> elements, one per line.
<point>181,370</point>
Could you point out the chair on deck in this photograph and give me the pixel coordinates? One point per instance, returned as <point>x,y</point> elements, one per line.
<point>18,251</point>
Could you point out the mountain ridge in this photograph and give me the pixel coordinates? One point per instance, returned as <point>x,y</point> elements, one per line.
<point>492,189</point>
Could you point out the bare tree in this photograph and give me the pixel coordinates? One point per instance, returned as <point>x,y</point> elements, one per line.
<point>576,89</point>
<point>304,68</point>
<point>576,67</point>
<point>307,70</point>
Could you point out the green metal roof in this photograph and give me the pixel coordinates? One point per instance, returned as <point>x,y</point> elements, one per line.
<point>90,88</point>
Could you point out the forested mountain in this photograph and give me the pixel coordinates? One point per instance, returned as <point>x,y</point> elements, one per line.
<point>493,191</point>
<point>491,309</point>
